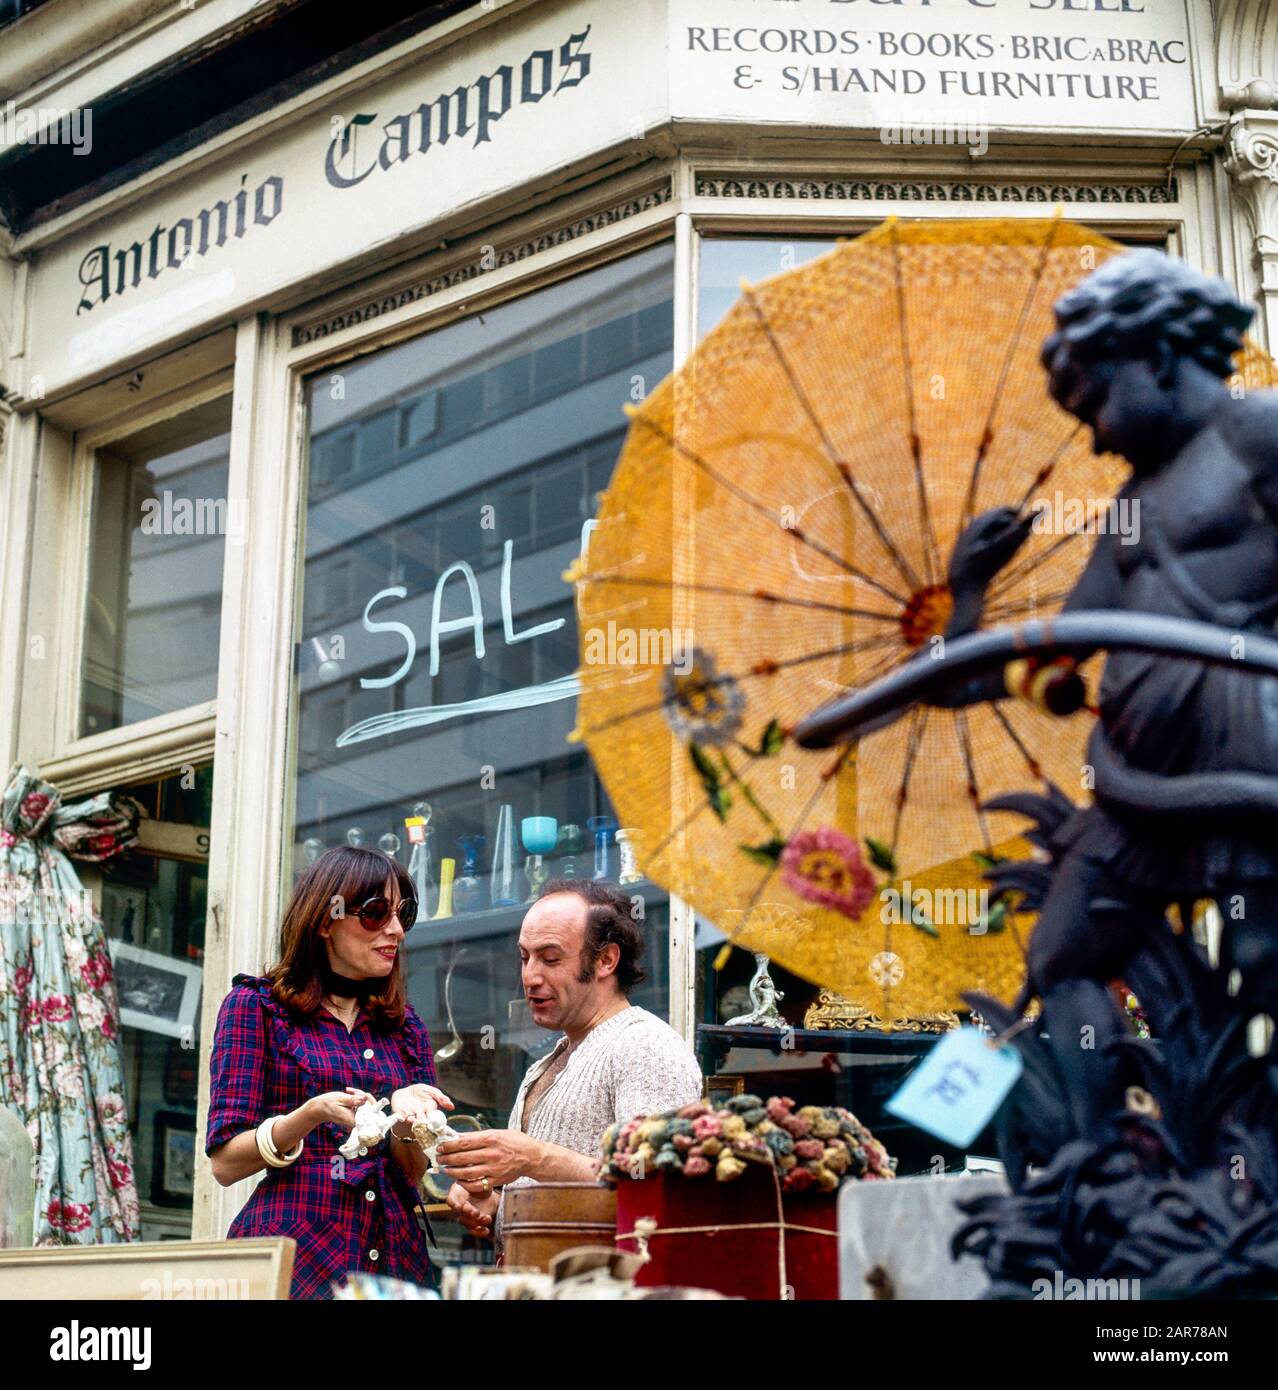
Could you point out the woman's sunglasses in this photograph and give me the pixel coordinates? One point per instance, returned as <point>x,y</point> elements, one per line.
<point>376,912</point>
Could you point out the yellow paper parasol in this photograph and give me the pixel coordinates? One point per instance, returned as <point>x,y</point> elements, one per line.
<point>778,531</point>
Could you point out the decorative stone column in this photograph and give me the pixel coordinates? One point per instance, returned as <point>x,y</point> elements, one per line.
<point>1251,160</point>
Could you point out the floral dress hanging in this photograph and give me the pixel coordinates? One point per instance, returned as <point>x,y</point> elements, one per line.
<point>60,1066</point>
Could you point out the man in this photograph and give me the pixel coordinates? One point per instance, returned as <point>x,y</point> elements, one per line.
<point>580,950</point>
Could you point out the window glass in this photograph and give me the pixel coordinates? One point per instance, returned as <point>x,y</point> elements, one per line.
<point>725,260</point>
<point>159,527</point>
<point>439,638</point>
<point>153,903</point>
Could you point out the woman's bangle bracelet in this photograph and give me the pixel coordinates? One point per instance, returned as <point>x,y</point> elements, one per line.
<point>266,1146</point>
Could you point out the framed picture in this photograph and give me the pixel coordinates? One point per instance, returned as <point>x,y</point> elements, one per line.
<point>173,1163</point>
<point>157,993</point>
<point>124,908</point>
<point>720,1089</point>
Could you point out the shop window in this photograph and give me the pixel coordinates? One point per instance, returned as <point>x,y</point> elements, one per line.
<point>517,452</point>
<point>153,903</point>
<point>463,404</point>
<point>158,529</point>
<point>377,441</point>
<point>725,260</point>
<point>334,457</point>
<point>508,386</point>
<point>556,365</point>
<point>418,419</point>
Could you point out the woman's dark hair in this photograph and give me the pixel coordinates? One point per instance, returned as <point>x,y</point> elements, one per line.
<point>340,878</point>
<point>1142,297</point>
<point>608,920</point>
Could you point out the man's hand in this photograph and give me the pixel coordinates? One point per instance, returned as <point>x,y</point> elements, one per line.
<point>475,1213</point>
<point>500,1155</point>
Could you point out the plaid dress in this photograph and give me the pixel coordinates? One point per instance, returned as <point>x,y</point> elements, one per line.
<point>344,1214</point>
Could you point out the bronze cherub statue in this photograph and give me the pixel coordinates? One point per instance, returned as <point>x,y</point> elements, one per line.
<point>1150,1159</point>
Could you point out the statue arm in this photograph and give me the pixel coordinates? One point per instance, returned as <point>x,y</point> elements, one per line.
<point>1098,587</point>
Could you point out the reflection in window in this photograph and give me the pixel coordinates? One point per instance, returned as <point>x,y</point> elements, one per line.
<point>725,260</point>
<point>505,429</point>
<point>153,905</point>
<point>159,525</point>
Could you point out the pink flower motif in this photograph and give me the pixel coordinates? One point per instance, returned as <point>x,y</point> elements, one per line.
<point>57,1008</point>
<point>33,806</point>
<point>68,1216</point>
<point>707,1127</point>
<point>121,1173</point>
<point>825,866</point>
<point>21,979</point>
<point>96,971</point>
<point>111,1109</point>
<point>7,839</point>
<point>109,1029</point>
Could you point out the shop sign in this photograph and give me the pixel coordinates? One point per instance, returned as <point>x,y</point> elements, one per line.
<point>917,70</point>
<point>551,85</point>
<point>526,95</point>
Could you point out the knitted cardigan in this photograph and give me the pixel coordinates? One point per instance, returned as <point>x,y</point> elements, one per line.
<point>631,1064</point>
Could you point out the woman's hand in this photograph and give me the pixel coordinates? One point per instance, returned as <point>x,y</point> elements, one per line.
<point>475,1213</point>
<point>334,1108</point>
<point>416,1102</point>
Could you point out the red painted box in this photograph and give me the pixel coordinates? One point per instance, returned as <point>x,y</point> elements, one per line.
<point>742,1258</point>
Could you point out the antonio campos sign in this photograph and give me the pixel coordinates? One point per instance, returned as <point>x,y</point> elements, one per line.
<point>519,98</point>
<point>550,86</point>
<point>467,116</point>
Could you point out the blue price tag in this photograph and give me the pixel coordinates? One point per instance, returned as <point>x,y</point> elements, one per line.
<point>958,1087</point>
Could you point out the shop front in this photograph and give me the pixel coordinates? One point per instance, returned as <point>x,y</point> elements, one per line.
<point>304,426</point>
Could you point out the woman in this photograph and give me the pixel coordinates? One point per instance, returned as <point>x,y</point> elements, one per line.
<point>298,1050</point>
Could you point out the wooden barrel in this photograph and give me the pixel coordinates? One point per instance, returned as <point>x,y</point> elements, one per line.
<point>544,1219</point>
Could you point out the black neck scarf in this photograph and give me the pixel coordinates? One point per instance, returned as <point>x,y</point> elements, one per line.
<point>343,987</point>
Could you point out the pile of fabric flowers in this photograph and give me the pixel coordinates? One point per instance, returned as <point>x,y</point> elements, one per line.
<point>813,1147</point>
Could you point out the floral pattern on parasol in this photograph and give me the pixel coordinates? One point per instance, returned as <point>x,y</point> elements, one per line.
<point>778,531</point>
